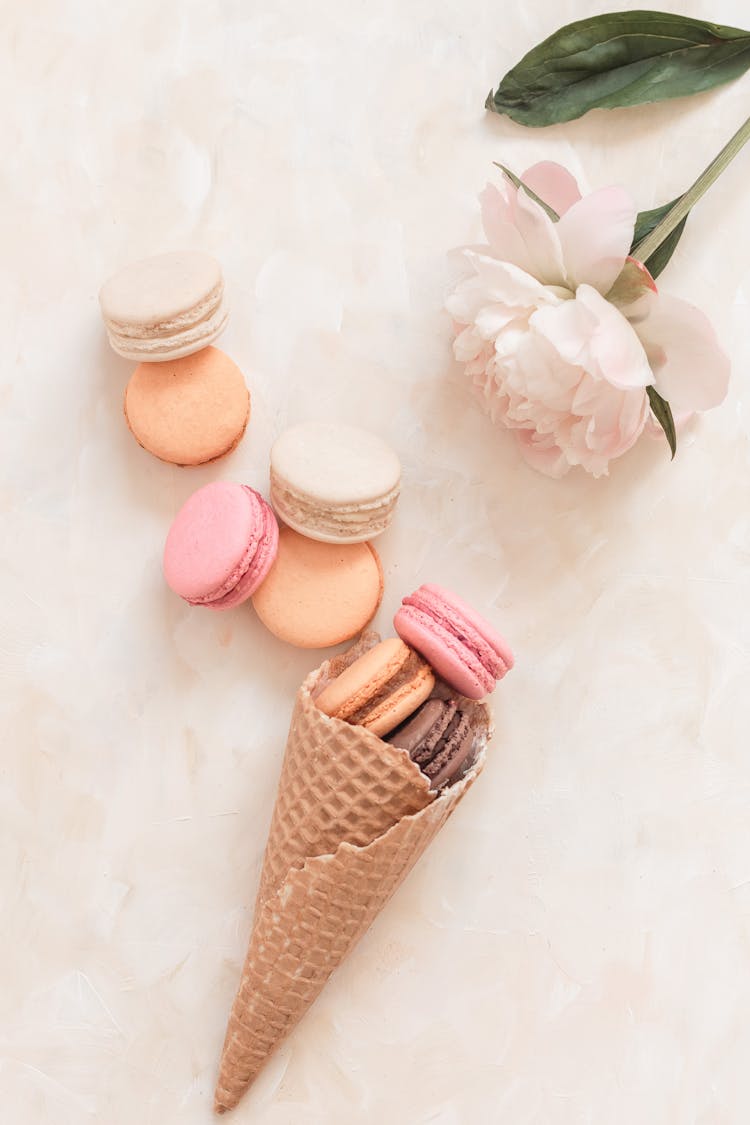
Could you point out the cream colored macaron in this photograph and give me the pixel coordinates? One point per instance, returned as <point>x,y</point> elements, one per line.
<point>165,307</point>
<point>334,483</point>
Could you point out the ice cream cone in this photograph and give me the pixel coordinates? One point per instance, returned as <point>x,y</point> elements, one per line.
<point>352,816</point>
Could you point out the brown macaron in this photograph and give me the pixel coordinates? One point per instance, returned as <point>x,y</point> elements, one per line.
<point>188,411</point>
<point>439,739</point>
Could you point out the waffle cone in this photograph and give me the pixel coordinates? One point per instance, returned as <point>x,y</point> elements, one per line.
<point>353,814</point>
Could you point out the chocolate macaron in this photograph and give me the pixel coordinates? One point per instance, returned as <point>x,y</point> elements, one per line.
<point>439,738</point>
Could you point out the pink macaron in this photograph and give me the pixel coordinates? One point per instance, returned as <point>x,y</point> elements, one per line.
<point>221,545</point>
<point>461,646</point>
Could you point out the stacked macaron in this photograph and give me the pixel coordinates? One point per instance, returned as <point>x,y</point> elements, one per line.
<point>314,584</point>
<point>334,487</point>
<point>186,402</point>
<point>414,690</point>
<point>334,483</point>
<point>317,581</point>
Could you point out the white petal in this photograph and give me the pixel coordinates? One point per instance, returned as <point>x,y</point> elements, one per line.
<point>542,244</point>
<point>492,319</point>
<point>595,235</point>
<point>691,370</point>
<point>654,428</point>
<point>554,184</point>
<point>502,233</point>
<point>542,453</point>
<point>594,334</point>
<point>467,344</point>
<point>506,284</point>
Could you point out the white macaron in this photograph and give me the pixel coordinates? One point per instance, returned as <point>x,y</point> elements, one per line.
<point>335,483</point>
<point>165,307</point>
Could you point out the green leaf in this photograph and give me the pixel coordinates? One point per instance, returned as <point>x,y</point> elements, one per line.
<point>662,411</point>
<point>656,262</point>
<point>619,59</point>
<point>644,224</point>
<point>531,194</point>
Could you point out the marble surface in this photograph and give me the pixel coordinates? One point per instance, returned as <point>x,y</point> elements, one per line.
<point>574,949</point>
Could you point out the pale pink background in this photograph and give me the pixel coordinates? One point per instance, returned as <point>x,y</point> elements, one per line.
<point>574,949</point>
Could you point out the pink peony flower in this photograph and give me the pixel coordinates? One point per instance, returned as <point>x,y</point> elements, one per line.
<point>552,350</point>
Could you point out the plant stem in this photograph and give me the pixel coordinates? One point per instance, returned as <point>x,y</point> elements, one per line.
<point>662,230</point>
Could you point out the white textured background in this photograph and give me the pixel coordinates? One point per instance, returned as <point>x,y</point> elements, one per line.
<point>574,949</point>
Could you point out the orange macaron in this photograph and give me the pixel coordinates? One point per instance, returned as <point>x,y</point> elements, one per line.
<point>319,594</point>
<point>188,411</point>
<point>381,689</point>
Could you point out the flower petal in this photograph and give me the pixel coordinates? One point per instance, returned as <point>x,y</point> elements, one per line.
<point>654,429</point>
<point>691,370</point>
<point>542,453</point>
<point>492,319</point>
<point>554,184</point>
<point>505,283</point>
<point>502,234</point>
<point>468,344</point>
<point>541,242</point>
<point>590,332</point>
<point>595,235</point>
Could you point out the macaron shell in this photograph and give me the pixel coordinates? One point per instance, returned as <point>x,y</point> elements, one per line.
<point>260,563</point>
<point>451,763</point>
<point>188,411</point>
<point>452,661</point>
<point>175,344</point>
<point>463,616</point>
<point>397,708</point>
<point>319,594</point>
<point>421,734</point>
<point>161,288</point>
<point>220,545</point>
<point>363,679</point>
<point>208,539</point>
<point>335,464</point>
<point>333,482</point>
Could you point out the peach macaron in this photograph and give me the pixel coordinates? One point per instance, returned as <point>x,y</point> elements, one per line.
<point>319,594</point>
<point>188,411</point>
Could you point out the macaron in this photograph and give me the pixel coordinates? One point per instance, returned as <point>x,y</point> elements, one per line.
<point>221,545</point>
<point>335,483</point>
<point>439,738</point>
<point>319,594</point>
<point>380,689</point>
<point>188,411</point>
<point>164,307</point>
<point>461,646</point>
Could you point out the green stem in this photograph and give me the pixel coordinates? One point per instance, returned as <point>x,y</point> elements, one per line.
<point>662,230</point>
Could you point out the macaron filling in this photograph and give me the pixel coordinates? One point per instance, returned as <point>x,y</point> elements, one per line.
<point>387,699</point>
<point>339,521</point>
<point>455,754</point>
<point>381,689</point>
<point>165,307</point>
<point>439,738</point>
<point>424,752</point>
<point>335,483</point>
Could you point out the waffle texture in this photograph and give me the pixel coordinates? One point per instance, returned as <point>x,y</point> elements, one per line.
<point>352,816</point>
